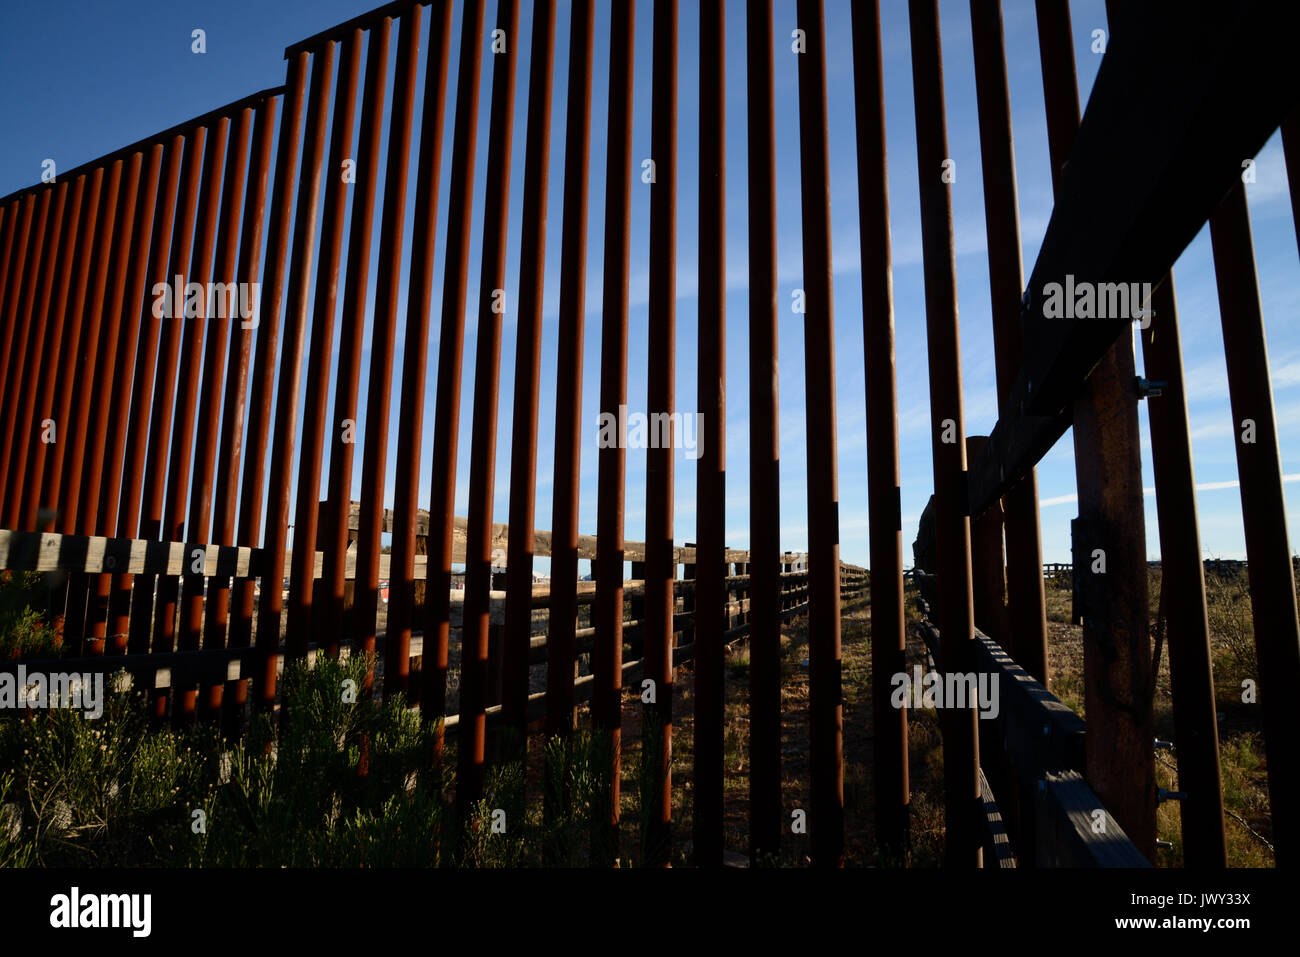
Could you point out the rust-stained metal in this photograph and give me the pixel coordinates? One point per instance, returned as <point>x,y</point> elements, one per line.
<point>387,285</point>
<point>133,304</point>
<point>528,359</point>
<point>84,470</point>
<point>607,653</point>
<point>889,640</point>
<point>328,609</point>
<point>217,614</point>
<point>419,301</point>
<point>1182,585</point>
<point>446,415</point>
<point>151,463</point>
<point>117,589</point>
<point>1026,609</point>
<point>270,303</point>
<point>219,315</point>
<point>561,627</point>
<point>13,273</point>
<point>1117,647</point>
<point>286,405</point>
<point>471,743</point>
<point>825,711</point>
<point>26,348</point>
<point>188,375</point>
<point>324,307</point>
<point>711,484</point>
<point>657,635</point>
<point>948,444</point>
<point>1263,508</point>
<point>17,376</point>
<point>765,805</point>
<point>44,470</point>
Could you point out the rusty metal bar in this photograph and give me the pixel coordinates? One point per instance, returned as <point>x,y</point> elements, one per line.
<point>217,617</point>
<point>470,747</point>
<point>446,416</point>
<point>128,373</point>
<point>657,636</point>
<point>888,637</point>
<point>10,215</point>
<point>83,469</point>
<point>765,804</point>
<point>25,280</point>
<point>607,653</point>
<point>270,303</point>
<point>561,629</point>
<point>307,506</point>
<point>948,443</point>
<point>152,461</point>
<point>1026,608</point>
<point>23,352</point>
<point>286,405</point>
<point>419,300</point>
<point>711,483</point>
<point>1183,586</point>
<point>329,611</point>
<point>825,711</point>
<point>219,316</point>
<point>528,358</point>
<point>46,470</point>
<point>375,461</point>
<point>1263,508</point>
<point>187,388</point>
<point>1117,654</point>
<point>116,589</point>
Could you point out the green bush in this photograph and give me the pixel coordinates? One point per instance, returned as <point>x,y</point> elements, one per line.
<point>24,632</point>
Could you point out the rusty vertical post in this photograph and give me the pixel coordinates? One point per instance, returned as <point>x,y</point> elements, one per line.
<point>26,355</point>
<point>607,652</point>
<point>215,317</point>
<point>17,243</point>
<point>216,620</point>
<point>1263,507</point>
<point>116,589</point>
<point>388,277</point>
<point>657,634</point>
<point>528,358</point>
<point>1183,582</point>
<point>324,307</point>
<point>17,376</point>
<point>267,320</point>
<point>329,628</point>
<point>128,373</point>
<point>889,640</point>
<point>286,406</point>
<point>1026,611</point>
<point>446,417</point>
<point>825,705</point>
<point>948,444</point>
<point>153,465</point>
<point>187,388</point>
<point>419,299</point>
<point>474,685</point>
<point>765,806</point>
<point>711,484</point>
<point>562,622</point>
<point>83,471</point>
<point>1117,647</point>
<point>44,468</point>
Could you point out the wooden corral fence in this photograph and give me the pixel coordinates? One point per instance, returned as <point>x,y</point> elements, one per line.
<point>158,446</point>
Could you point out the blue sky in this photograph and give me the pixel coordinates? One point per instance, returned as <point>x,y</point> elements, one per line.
<point>80,79</point>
